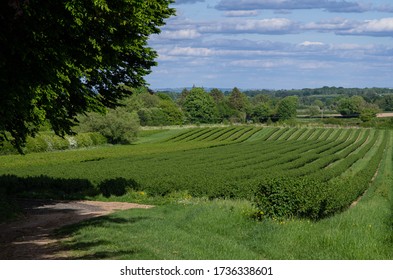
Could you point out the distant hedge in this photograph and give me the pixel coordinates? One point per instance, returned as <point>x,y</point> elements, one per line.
<point>47,142</point>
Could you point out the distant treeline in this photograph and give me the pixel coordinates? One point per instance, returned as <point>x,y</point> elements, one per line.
<point>364,92</point>
<point>326,97</point>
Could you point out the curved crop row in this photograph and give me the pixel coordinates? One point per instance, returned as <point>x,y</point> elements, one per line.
<point>239,162</point>
<point>311,197</point>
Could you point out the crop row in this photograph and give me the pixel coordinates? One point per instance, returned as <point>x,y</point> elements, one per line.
<point>252,160</point>
<point>250,133</point>
<point>314,197</point>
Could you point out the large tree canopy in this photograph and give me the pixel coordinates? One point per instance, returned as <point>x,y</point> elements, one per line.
<point>199,106</point>
<point>65,57</point>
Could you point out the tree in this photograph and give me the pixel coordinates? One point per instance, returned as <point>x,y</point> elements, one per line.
<point>286,108</point>
<point>260,98</point>
<point>314,111</point>
<point>369,112</point>
<point>199,106</point>
<point>119,126</point>
<point>224,111</point>
<point>386,103</point>
<point>261,112</point>
<point>351,106</point>
<point>173,114</point>
<point>238,100</point>
<point>217,95</point>
<point>182,97</point>
<point>356,106</point>
<point>240,104</point>
<point>62,58</point>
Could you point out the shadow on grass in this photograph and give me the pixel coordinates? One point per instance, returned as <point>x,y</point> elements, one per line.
<point>45,187</point>
<point>34,199</point>
<point>32,238</point>
<point>98,249</point>
<point>105,221</point>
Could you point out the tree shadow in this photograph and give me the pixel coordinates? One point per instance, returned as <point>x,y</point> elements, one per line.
<point>46,187</point>
<point>104,221</point>
<point>117,186</point>
<point>91,249</point>
<point>43,203</point>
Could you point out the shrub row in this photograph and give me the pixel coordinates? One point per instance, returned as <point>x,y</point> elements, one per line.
<point>230,134</point>
<point>60,188</point>
<point>49,142</point>
<point>313,198</point>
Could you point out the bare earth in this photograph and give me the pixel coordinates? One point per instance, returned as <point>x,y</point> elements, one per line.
<point>385,115</point>
<point>30,238</point>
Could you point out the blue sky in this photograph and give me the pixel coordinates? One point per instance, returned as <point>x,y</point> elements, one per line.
<point>275,44</point>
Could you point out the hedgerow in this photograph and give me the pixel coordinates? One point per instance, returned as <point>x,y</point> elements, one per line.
<point>47,142</point>
<point>287,177</point>
<point>313,197</point>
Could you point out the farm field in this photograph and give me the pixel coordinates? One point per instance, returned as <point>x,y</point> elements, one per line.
<point>250,192</point>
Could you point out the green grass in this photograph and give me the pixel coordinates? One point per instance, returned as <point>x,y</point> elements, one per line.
<point>201,167</point>
<point>186,227</point>
<point>222,229</point>
<point>191,228</point>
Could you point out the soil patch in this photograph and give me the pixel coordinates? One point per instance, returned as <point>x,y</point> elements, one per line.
<point>30,238</point>
<point>385,115</point>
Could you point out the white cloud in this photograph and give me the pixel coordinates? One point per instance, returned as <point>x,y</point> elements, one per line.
<point>256,63</point>
<point>311,65</point>
<point>308,43</point>
<point>241,13</point>
<point>351,47</point>
<point>327,5</point>
<point>189,51</point>
<point>276,24</point>
<point>334,24</point>
<point>202,41</point>
<point>261,26</point>
<point>182,34</point>
<point>179,2</point>
<point>377,27</point>
<point>279,63</point>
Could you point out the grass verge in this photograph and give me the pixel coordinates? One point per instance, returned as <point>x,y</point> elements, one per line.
<point>190,228</point>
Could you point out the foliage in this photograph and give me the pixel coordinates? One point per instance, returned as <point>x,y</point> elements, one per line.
<point>330,167</point>
<point>199,106</point>
<point>63,58</point>
<point>47,142</point>
<point>357,106</point>
<point>166,113</point>
<point>224,111</point>
<point>173,114</point>
<point>351,106</point>
<point>368,112</point>
<point>217,95</point>
<point>261,112</point>
<point>286,197</point>
<point>386,103</point>
<point>46,187</point>
<point>314,111</point>
<point>119,126</point>
<point>238,100</point>
<point>286,108</point>
<point>361,232</point>
<point>116,187</point>
<point>314,197</point>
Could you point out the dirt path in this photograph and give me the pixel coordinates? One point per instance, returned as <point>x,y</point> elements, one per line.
<point>31,237</point>
<point>385,115</point>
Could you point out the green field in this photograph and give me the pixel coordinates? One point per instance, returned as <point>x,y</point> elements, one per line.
<point>238,192</point>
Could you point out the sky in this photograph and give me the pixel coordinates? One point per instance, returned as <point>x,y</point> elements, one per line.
<point>275,44</point>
